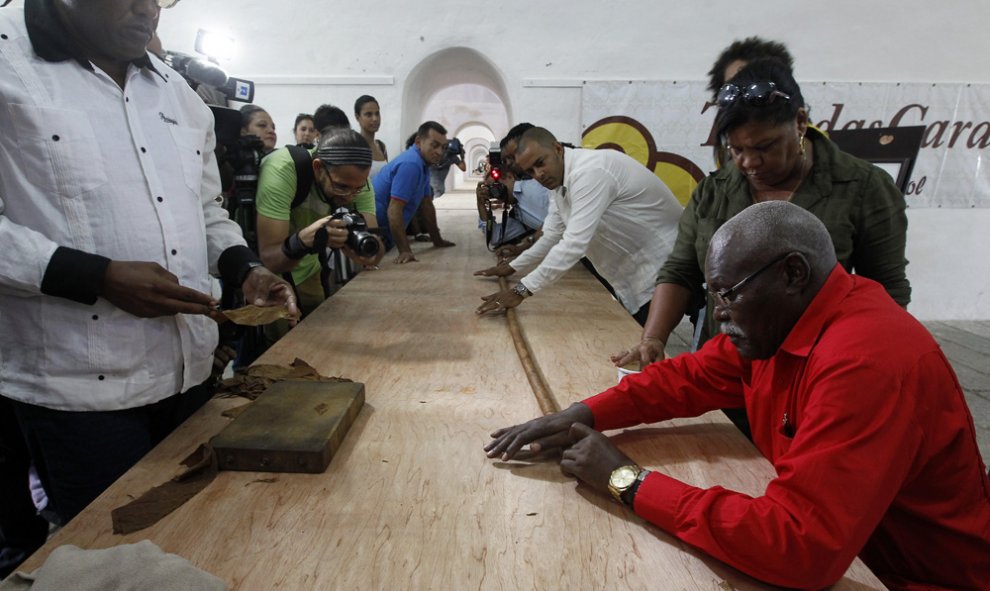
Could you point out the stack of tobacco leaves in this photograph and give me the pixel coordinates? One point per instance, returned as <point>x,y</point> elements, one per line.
<point>250,382</point>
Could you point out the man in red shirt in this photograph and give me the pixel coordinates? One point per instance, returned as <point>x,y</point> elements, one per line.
<point>850,398</point>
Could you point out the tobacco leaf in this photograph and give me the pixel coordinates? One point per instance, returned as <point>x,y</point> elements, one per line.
<point>251,381</point>
<point>252,315</point>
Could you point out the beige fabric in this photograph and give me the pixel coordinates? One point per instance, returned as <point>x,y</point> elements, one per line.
<point>128,567</point>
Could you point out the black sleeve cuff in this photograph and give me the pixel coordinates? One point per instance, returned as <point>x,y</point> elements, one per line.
<point>74,275</point>
<point>235,263</point>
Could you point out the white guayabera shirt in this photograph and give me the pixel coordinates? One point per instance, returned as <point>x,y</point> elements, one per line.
<point>125,174</point>
<point>616,212</point>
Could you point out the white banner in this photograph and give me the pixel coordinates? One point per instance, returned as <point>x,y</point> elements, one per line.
<point>666,126</point>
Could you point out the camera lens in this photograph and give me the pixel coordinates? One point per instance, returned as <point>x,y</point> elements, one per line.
<point>365,244</point>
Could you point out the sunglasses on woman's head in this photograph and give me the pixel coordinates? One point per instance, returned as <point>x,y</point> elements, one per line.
<point>758,94</point>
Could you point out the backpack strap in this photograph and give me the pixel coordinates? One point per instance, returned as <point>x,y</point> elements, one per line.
<point>304,173</point>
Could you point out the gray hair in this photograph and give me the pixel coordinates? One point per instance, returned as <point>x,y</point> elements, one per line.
<point>773,228</point>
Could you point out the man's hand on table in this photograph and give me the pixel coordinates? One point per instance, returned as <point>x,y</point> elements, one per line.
<point>646,351</point>
<point>541,434</point>
<point>499,302</point>
<point>591,457</point>
<point>509,251</point>
<point>500,270</point>
<point>261,287</point>
<point>405,257</point>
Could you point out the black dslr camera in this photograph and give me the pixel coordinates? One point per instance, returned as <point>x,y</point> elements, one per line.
<point>359,238</point>
<point>497,190</point>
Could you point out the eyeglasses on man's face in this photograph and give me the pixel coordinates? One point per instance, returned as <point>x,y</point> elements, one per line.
<point>724,297</point>
<point>758,94</point>
<point>339,189</point>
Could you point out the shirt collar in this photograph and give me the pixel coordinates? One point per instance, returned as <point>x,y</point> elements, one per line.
<point>53,43</point>
<point>809,327</point>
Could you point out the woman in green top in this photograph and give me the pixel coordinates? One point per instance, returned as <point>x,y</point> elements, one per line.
<point>763,121</point>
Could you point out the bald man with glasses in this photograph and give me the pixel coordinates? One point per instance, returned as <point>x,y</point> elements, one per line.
<point>871,439</point>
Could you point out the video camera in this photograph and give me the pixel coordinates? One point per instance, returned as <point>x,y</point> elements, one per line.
<point>454,148</point>
<point>239,157</point>
<point>359,238</point>
<point>198,71</point>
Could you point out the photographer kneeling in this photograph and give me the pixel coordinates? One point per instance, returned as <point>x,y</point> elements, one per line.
<point>296,227</point>
<point>516,209</point>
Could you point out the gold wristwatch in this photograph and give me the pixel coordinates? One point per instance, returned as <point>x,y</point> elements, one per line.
<point>622,479</point>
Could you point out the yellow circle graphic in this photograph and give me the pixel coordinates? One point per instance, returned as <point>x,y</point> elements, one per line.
<point>630,136</point>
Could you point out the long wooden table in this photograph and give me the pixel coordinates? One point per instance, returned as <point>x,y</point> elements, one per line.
<point>411,501</point>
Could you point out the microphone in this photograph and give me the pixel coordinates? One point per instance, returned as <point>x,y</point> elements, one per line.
<point>195,69</point>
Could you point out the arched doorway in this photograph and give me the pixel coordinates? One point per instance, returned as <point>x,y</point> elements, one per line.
<point>477,139</point>
<point>464,91</point>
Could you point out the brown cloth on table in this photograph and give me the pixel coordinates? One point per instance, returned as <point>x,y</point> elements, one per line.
<point>161,500</point>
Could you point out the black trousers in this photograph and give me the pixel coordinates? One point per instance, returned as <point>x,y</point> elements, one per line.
<point>22,530</point>
<point>78,455</point>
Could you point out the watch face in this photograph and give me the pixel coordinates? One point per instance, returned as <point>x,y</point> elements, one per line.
<point>623,477</point>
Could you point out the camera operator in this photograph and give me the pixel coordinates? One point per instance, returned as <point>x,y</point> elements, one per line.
<point>257,122</point>
<point>289,236</point>
<point>529,200</point>
<point>453,155</point>
<point>111,233</point>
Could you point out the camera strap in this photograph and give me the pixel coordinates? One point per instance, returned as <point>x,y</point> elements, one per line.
<point>490,227</point>
<point>320,246</point>
<point>303,161</point>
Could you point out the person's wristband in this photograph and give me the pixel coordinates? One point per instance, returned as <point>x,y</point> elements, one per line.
<point>246,270</point>
<point>293,247</point>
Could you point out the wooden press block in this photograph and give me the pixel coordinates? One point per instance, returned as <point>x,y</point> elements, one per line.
<point>294,426</point>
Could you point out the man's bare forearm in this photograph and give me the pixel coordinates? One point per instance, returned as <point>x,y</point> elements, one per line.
<point>430,217</point>
<point>396,224</point>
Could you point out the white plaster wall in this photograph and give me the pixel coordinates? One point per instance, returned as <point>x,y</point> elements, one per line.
<point>306,53</point>
<point>948,252</point>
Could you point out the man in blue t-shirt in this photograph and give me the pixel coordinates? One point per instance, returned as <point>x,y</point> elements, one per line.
<point>403,186</point>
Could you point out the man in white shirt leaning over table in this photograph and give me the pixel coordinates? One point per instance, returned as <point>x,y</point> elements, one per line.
<point>604,205</point>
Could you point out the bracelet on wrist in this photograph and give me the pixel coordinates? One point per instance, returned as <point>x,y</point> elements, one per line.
<point>293,247</point>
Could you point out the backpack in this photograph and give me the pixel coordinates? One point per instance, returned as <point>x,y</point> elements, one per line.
<point>304,173</point>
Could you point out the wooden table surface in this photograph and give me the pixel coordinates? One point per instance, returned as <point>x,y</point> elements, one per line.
<point>411,501</point>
